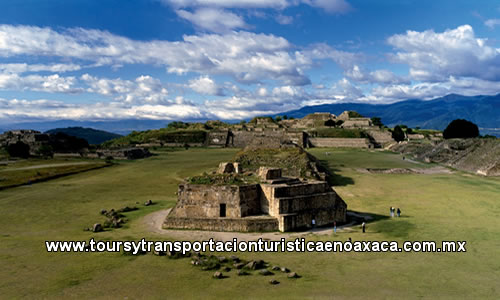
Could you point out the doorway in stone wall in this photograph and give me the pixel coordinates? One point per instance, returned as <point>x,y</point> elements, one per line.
<point>222,211</point>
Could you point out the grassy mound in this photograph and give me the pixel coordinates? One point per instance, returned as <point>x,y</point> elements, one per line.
<point>164,135</point>
<point>294,162</point>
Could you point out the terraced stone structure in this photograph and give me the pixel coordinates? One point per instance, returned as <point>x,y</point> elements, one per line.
<point>276,203</point>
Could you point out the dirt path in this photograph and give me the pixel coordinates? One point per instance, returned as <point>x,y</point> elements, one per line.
<point>47,166</point>
<point>153,223</point>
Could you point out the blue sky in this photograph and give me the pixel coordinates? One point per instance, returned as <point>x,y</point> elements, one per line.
<point>221,59</point>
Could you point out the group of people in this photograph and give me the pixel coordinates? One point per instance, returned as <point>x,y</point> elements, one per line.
<point>393,210</point>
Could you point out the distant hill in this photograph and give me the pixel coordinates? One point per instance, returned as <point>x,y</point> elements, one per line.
<point>122,127</point>
<point>93,136</point>
<point>432,114</point>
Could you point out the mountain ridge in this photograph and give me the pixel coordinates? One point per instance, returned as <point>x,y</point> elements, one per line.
<point>93,136</point>
<point>429,114</point>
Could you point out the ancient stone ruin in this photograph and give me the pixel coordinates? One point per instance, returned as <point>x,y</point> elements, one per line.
<point>273,203</point>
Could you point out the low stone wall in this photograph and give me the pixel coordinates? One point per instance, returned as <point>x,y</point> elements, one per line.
<point>222,224</point>
<point>339,142</point>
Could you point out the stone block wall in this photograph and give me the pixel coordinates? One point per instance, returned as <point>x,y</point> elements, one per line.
<point>266,138</point>
<point>380,137</point>
<point>295,205</point>
<point>301,189</point>
<point>200,201</point>
<point>218,138</point>
<point>357,123</point>
<point>339,142</point>
<point>223,224</point>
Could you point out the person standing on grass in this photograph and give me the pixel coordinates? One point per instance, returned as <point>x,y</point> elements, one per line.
<point>363,226</point>
<point>399,212</point>
<point>335,227</point>
<point>313,222</point>
<point>392,211</point>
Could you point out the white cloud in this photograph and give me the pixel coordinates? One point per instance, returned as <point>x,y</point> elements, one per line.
<point>205,85</point>
<point>492,23</point>
<point>106,86</point>
<point>229,3</point>
<point>284,20</point>
<point>430,90</point>
<point>58,110</point>
<point>214,15</point>
<point>213,19</point>
<point>51,83</point>
<point>345,60</point>
<point>261,102</point>
<point>23,68</point>
<point>457,52</point>
<point>247,57</point>
<point>285,91</point>
<point>330,6</point>
<point>262,92</point>
<point>377,76</point>
<point>142,89</point>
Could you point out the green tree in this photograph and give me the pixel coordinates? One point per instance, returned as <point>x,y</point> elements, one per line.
<point>177,125</point>
<point>354,114</point>
<point>278,118</point>
<point>377,121</point>
<point>397,134</point>
<point>461,128</point>
<point>19,149</point>
<point>45,151</point>
<point>330,123</point>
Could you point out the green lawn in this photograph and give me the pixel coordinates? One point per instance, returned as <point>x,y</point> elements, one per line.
<point>435,207</point>
<point>32,170</point>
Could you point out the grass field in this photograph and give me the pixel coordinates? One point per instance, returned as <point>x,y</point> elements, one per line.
<point>29,171</point>
<point>435,207</point>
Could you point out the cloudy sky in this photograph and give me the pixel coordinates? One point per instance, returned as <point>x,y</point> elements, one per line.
<point>222,59</point>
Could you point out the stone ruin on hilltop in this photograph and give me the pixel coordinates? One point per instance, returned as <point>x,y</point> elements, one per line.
<point>265,201</point>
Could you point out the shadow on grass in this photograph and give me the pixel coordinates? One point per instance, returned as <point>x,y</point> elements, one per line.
<point>359,217</point>
<point>334,178</point>
<point>396,227</point>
